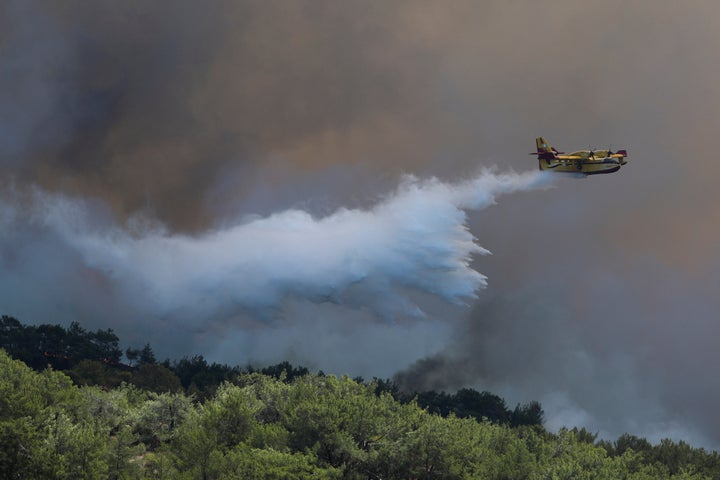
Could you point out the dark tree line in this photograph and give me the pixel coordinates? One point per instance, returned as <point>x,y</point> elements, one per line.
<point>94,358</point>
<point>469,403</point>
<point>466,403</point>
<point>61,348</point>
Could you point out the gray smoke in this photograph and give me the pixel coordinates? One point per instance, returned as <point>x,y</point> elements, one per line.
<point>611,368</point>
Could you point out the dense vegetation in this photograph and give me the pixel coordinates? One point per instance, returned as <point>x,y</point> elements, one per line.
<point>270,426</point>
<point>94,358</point>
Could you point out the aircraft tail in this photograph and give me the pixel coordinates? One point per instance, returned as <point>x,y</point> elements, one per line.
<point>544,150</point>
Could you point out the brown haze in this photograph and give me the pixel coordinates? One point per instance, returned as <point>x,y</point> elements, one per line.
<point>603,297</point>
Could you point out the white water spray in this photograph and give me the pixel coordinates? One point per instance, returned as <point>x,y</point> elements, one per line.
<point>414,239</point>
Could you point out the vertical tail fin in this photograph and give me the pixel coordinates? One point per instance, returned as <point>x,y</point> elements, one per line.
<point>544,150</point>
<point>542,145</point>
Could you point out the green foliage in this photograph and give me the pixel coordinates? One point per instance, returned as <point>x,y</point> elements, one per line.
<point>158,465</point>
<point>93,372</point>
<point>159,418</point>
<point>584,435</point>
<point>268,464</point>
<point>630,442</point>
<point>201,378</point>
<point>316,426</point>
<point>41,426</point>
<point>284,371</point>
<point>283,422</point>
<point>73,449</point>
<point>19,440</point>
<point>155,378</point>
<point>528,414</point>
<point>195,444</point>
<point>124,447</point>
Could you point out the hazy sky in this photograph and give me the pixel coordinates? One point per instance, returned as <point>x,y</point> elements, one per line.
<point>142,142</point>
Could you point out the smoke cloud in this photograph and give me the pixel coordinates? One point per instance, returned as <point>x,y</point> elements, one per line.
<point>150,107</point>
<point>609,370</point>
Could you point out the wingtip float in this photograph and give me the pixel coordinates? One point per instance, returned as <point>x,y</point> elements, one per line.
<point>582,162</point>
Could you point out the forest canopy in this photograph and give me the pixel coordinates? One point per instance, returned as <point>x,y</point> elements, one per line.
<point>209,421</point>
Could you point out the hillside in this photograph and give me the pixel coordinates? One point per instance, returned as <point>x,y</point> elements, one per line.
<point>72,406</point>
<point>315,426</point>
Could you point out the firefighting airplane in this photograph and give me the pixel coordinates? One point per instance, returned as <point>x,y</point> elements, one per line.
<point>582,162</point>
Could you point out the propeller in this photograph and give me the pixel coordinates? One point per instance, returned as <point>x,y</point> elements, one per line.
<point>609,157</point>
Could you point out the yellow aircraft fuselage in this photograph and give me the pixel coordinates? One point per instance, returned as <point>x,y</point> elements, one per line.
<point>583,162</point>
